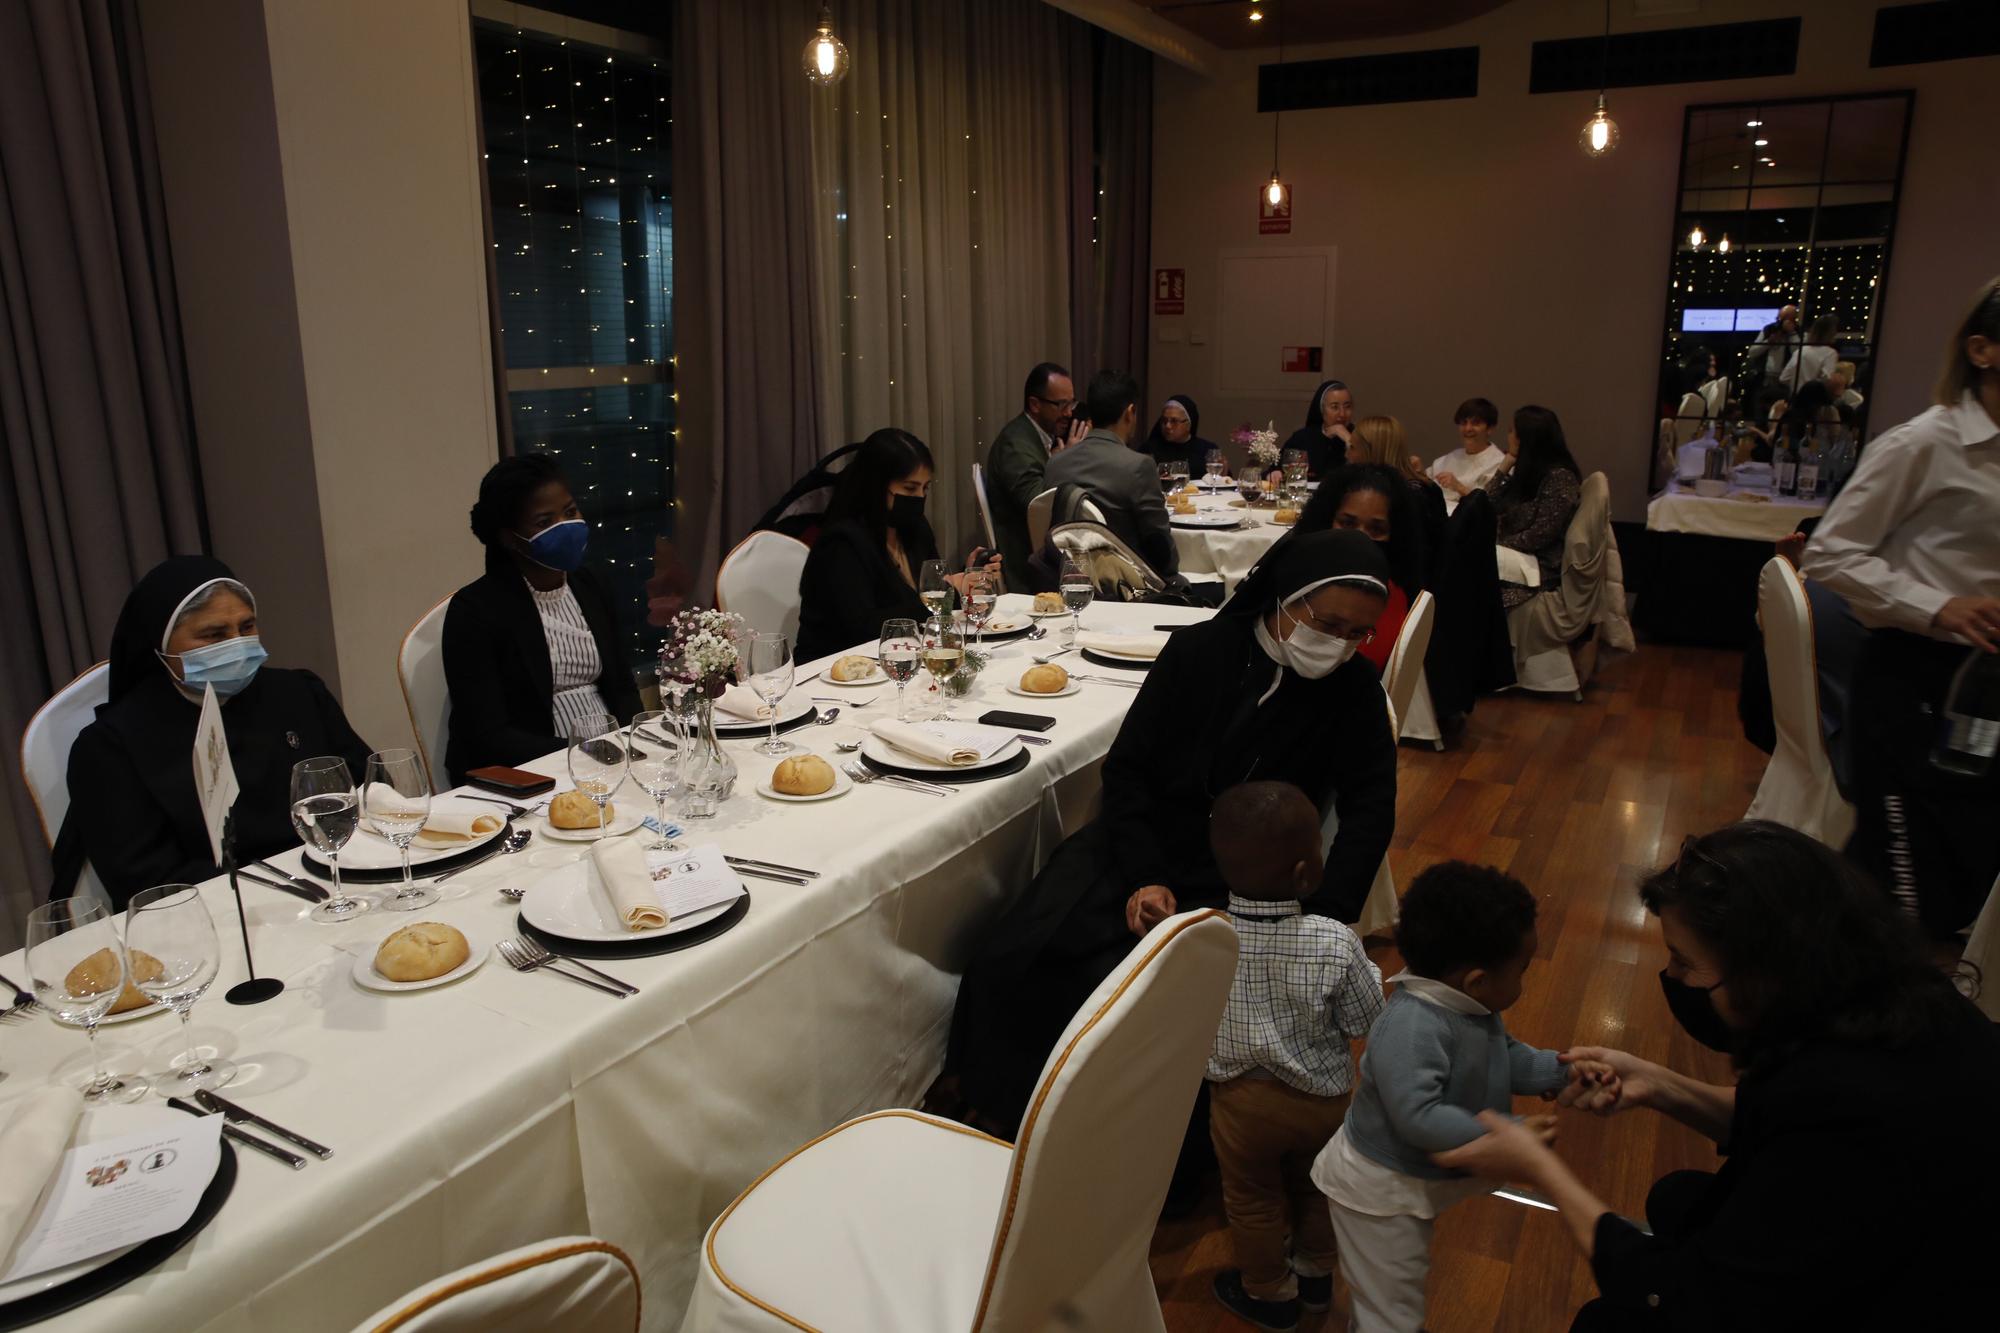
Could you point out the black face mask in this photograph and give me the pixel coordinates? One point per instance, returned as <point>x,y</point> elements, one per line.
<point>906,511</point>
<point>1693,1007</point>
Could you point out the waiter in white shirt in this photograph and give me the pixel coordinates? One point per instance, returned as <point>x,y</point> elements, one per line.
<point>1913,544</point>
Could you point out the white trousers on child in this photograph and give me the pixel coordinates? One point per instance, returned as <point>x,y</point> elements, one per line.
<point>1386,1261</point>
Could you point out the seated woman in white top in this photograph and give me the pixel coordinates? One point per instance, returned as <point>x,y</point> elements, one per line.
<point>1466,468</point>
<point>1814,361</point>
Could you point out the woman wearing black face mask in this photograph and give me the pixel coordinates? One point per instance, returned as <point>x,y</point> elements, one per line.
<point>864,567</point>
<point>1859,1134</point>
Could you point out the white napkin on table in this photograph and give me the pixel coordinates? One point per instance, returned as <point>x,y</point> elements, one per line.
<point>32,1145</point>
<point>954,743</point>
<point>743,705</point>
<point>454,828</point>
<point>1518,567</point>
<point>628,882</point>
<point>1148,643</point>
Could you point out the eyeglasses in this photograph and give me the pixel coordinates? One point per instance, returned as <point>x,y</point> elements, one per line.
<point>1304,616</point>
<point>1059,404</point>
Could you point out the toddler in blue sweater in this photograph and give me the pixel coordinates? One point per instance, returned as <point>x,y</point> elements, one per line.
<point>1436,1057</point>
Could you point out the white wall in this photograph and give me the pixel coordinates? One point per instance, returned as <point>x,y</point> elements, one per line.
<point>1480,252</point>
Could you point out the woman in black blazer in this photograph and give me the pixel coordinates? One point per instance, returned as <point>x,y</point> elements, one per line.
<point>530,646</point>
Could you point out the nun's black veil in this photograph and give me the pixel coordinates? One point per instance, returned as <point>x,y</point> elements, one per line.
<point>1302,559</point>
<point>142,622</point>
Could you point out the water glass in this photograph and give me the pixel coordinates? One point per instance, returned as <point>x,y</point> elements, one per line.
<point>597,762</point>
<point>1077,591</point>
<point>325,813</point>
<point>933,587</point>
<point>396,800</point>
<point>900,652</point>
<point>1293,463</point>
<point>982,591</point>
<point>769,667</point>
<point>172,924</point>
<point>78,968</point>
<point>656,765</point>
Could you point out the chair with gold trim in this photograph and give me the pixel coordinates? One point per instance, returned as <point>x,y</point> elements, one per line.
<point>574,1283</point>
<point>903,1221</point>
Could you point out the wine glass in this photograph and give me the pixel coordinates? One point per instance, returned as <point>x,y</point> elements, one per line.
<point>900,651</point>
<point>172,924</point>
<point>396,800</point>
<point>597,762</point>
<point>78,968</point>
<point>657,770</point>
<point>1178,469</point>
<point>1293,463</point>
<point>944,653</point>
<point>1250,484</point>
<point>326,811</point>
<point>1077,590</point>
<point>770,669</point>
<point>933,588</point>
<point>1166,478</point>
<point>982,590</point>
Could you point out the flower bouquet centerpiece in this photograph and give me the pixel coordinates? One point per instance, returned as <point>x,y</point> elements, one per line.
<point>700,660</point>
<point>1260,445</point>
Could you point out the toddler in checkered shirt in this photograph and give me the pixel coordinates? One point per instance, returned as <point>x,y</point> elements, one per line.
<point>1280,1074</point>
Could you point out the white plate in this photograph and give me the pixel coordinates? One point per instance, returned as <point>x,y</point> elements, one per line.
<point>626,815</point>
<point>1007,625</point>
<point>1044,615</point>
<point>570,903</point>
<point>842,784</point>
<point>99,1122</point>
<point>794,705</point>
<point>130,1015</point>
<point>880,677</point>
<point>1205,520</point>
<point>1069,687</point>
<point>367,850</point>
<point>882,752</point>
<point>478,947</point>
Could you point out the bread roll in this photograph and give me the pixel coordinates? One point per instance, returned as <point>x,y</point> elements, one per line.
<point>1047,678</point>
<point>1049,601</point>
<point>1286,517</point>
<point>572,809</point>
<point>421,951</point>
<point>93,976</point>
<point>804,775</point>
<point>852,667</point>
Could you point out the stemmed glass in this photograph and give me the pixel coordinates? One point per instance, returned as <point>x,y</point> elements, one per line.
<point>900,651</point>
<point>78,968</point>
<point>981,591</point>
<point>657,770</point>
<point>396,800</point>
<point>1293,463</point>
<point>597,762</point>
<point>326,811</point>
<point>769,667</point>
<point>1166,478</point>
<point>933,588</point>
<point>172,924</point>
<point>944,653</point>
<point>1077,590</point>
<point>1250,484</point>
<point>1179,471</point>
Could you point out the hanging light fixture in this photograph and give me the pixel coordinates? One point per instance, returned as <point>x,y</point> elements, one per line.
<point>1600,132</point>
<point>1256,14</point>
<point>826,55</point>
<point>1276,191</point>
<point>1722,246</point>
<point>1697,238</point>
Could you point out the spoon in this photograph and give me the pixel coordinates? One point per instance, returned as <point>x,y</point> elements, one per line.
<point>1044,661</point>
<point>827,718</point>
<point>514,842</point>
<point>847,747</point>
<point>1038,632</point>
<point>513,895</point>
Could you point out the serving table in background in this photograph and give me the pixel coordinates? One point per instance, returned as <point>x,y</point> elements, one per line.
<point>505,1108</point>
<point>1766,518</point>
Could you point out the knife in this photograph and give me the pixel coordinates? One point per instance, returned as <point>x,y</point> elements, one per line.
<point>758,872</point>
<point>237,1114</point>
<point>290,878</point>
<point>493,849</point>
<point>235,1135</point>
<point>771,865</point>
<point>311,893</point>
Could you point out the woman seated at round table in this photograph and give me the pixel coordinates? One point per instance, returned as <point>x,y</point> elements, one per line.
<point>531,647</point>
<point>1535,492</point>
<point>1858,1135</point>
<point>1267,689</point>
<point>1328,428</point>
<point>1378,503</point>
<point>1383,441</point>
<point>1176,436</point>
<point>864,565</point>
<point>187,625</point>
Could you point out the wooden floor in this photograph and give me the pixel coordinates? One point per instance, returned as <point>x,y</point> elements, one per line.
<point>1576,800</point>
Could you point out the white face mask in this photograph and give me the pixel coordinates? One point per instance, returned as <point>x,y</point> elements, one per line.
<point>1313,653</point>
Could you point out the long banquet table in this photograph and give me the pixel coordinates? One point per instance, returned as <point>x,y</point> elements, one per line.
<point>505,1108</point>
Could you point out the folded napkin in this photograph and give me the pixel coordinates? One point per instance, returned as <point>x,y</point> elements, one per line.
<point>743,705</point>
<point>452,828</point>
<point>1518,567</point>
<point>628,882</point>
<point>1147,644</point>
<point>32,1145</point>
<point>954,743</point>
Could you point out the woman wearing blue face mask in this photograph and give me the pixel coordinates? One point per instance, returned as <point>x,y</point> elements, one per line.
<point>189,625</point>
<point>531,646</point>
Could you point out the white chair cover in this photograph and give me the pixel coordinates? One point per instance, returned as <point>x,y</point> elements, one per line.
<point>1554,650</point>
<point>1381,908</point>
<point>1041,510</point>
<point>759,580</point>
<point>899,1221</point>
<point>1798,789</point>
<point>574,1283</point>
<point>420,671</point>
<point>1982,950</point>
<point>45,745</point>
<point>1422,722</point>
<point>985,510</point>
<point>1406,659</point>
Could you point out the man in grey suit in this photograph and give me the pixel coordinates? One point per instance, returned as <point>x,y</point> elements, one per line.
<point>1122,482</point>
<point>1020,453</point>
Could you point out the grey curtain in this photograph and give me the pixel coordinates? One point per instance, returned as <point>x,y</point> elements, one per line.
<point>98,475</point>
<point>1110,203</point>
<point>744,295</point>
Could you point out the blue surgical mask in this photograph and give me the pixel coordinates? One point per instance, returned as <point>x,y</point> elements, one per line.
<point>560,545</point>
<point>229,665</point>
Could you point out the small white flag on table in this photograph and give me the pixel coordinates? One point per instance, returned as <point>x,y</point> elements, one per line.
<point>214,775</point>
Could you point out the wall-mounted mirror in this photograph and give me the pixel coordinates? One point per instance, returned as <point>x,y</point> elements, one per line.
<point>1784,219</point>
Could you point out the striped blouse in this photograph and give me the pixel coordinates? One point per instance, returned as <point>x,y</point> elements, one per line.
<point>573,659</point>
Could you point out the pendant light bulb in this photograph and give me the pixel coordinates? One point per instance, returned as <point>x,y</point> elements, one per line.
<point>1722,246</point>
<point>825,54</point>
<point>1274,193</point>
<point>1256,14</point>
<point>1697,238</point>
<point>1600,132</point>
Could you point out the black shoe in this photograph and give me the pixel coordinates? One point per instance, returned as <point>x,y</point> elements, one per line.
<point>1281,1316</point>
<point>1315,1293</point>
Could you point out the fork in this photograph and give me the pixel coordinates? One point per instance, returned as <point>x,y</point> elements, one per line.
<point>520,962</point>
<point>543,956</point>
<point>24,1003</point>
<point>864,775</point>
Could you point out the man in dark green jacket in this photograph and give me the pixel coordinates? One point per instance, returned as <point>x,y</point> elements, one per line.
<point>1017,458</point>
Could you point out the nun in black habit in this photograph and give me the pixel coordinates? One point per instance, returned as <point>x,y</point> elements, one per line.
<point>1176,436</point>
<point>1327,430</point>
<point>131,777</point>
<point>1269,689</point>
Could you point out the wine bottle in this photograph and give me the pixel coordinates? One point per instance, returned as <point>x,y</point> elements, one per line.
<point>1786,465</point>
<point>1969,732</point>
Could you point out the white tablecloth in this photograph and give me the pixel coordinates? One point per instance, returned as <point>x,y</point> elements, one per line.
<point>1766,518</point>
<point>504,1108</point>
<point>1225,553</point>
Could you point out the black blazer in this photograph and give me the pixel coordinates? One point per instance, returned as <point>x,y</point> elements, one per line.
<point>496,665</point>
<point>849,587</point>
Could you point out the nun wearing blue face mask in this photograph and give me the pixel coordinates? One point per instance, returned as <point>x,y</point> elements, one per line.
<point>187,625</point>
<point>531,646</point>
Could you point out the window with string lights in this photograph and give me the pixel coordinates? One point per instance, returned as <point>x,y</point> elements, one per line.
<point>577,125</point>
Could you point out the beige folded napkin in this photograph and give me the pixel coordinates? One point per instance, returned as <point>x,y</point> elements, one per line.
<point>743,705</point>
<point>1518,567</point>
<point>1146,644</point>
<point>452,828</point>
<point>628,882</point>
<point>32,1145</point>
<point>954,743</point>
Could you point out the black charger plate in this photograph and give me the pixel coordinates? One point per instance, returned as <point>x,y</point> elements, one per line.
<point>644,947</point>
<point>953,775</point>
<point>743,731</point>
<point>1122,663</point>
<point>420,870</point>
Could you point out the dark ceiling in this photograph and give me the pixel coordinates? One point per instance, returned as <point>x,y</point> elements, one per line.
<point>1226,23</point>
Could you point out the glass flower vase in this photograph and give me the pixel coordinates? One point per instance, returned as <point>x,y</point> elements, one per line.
<point>710,774</point>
